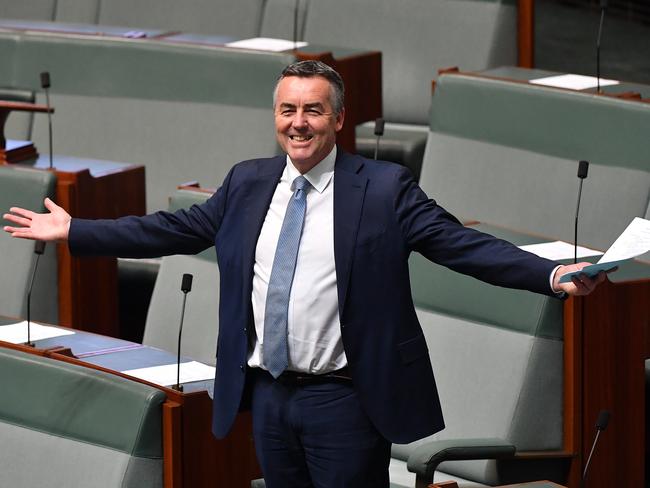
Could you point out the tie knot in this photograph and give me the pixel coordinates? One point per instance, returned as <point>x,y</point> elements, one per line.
<point>300,183</point>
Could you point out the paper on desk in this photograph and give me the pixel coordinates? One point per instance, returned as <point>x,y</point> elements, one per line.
<point>17,333</point>
<point>634,241</point>
<point>558,250</point>
<point>266,44</point>
<point>574,82</point>
<point>165,375</point>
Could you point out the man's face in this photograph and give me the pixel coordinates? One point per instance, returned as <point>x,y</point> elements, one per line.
<point>305,123</point>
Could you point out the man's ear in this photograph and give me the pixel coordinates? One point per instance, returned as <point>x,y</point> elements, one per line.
<point>340,118</point>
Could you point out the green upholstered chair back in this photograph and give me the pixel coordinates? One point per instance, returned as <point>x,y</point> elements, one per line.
<point>201,324</point>
<point>28,10</point>
<point>220,17</point>
<point>82,11</point>
<point>26,188</point>
<point>497,358</point>
<point>417,38</point>
<point>278,18</point>
<point>185,112</point>
<point>507,153</point>
<point>66,425</point>
<point>19,124</point>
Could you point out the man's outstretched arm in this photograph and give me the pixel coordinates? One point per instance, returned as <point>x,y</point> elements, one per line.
<point>53,225</point>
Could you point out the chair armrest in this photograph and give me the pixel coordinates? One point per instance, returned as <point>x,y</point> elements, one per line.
<point>426,458</point>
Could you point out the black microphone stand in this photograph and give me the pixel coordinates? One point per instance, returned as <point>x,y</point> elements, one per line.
<point>45,84</point>
<point>583,169</point>
<point>601,425</point>
<point>186,287</point>
<point>39,248</point>
<point>603,7</point>
<point>296,6</point>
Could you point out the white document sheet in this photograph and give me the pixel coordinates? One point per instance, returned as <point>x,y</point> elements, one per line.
<point>558,250</point>
<point>165,375</point>
<point>266,44</point>
<point>634,241</point>
<point>17,333</point>
<point>573,82</point>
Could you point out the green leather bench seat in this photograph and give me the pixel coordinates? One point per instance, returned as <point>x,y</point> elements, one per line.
<point>26,188</point>
<point>188,113</point>
<point>507,153</point>
<point>28,10</point>
<point>200,16</point>
<point>241,18</point>
<point>278,19</point>
<point>425,36</point>
<point>498,359</point>
<point>65,425</point>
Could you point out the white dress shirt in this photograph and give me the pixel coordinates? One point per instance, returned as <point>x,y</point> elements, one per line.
<point>314,332</point>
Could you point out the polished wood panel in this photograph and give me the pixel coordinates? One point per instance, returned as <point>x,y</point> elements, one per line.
<point>526,33</point>
<point>615,319</point>
<point>88,286</point>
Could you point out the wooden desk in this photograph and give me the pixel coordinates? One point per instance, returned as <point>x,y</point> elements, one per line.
<point>94,189</point>
<point>607,353</point>
<point>192,457</point>
<point>606,343</point>
<point>626,90</point>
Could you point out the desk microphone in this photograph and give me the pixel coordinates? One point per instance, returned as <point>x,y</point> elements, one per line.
<point>603,7</point>
<point>45,84</point>
<point>186,287</point>
<point>296,6</point>
<point>601,425</point>
<point>39,248</point>
<point>583,169</point>
<point>379,131</point>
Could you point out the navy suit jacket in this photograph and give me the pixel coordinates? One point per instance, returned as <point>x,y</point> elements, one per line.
<point>380,216</point>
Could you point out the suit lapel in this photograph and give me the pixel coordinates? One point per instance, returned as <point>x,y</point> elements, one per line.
<point>349,192</point>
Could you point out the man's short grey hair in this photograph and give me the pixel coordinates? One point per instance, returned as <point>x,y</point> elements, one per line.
<point>310,69</point>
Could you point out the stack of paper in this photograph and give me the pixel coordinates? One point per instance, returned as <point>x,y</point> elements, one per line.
<point>17,333</point>
<point>166,374</point>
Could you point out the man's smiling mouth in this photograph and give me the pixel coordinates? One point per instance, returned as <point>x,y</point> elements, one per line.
<point>301,138</point>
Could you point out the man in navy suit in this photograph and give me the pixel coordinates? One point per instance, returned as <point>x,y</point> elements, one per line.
<point>352,373</point>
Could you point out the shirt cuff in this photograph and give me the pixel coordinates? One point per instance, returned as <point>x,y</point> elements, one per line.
<point>559,294</point>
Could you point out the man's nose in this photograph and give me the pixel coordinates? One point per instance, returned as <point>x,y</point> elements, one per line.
<point>299,120</point>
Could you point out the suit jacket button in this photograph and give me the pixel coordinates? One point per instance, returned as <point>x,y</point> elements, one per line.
<point>245,330</point>
<point>241,366</point>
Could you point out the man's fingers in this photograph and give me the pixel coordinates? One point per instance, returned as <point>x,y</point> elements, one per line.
<point>17,220</point>
<point>22,212</point>
<point>50,205</point>
<point>22,232</point>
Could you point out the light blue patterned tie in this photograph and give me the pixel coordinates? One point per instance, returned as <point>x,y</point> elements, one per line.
<point>276,355</point>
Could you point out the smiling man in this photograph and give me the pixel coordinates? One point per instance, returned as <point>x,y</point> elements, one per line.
<point>308,114</point>
<point>317,330</point>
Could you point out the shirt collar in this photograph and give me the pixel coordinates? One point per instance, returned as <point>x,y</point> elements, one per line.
<point>319,176</point>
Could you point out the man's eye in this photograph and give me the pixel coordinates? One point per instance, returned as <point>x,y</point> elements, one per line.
<point>313,111</point>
